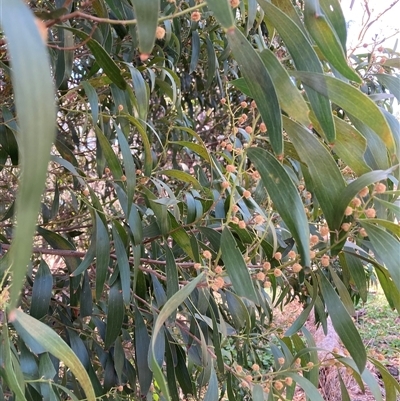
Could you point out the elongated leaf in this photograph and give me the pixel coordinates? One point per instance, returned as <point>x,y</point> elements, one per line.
<point>290,98</point>
<point>212,393</point>
<point>342,322</point>
<point>102,255</point>
<point>123,265</point>
<point>93,100</point>
<point>334,13</point>
<point>305,59</point>
<point>7,367</point>
<point>146,13</point>
<point>390,82</point>
<point>141,92</point>
<point>386,248</point>
<point>351,100</point>
<point>236,267</point>
<point>302,318</point>
<point>182,176</point>
<point>130,169</point>
<point>41,291</point>
<point>115,314</point>
<point>223,12</point>
<point>169,308</point>
<point>200,149</point>
<point>260,85</point>
<point>307,386</point>
<point>322,168</point>
<point>327,40</point>
<point>51,342</point>
<point>34,99</point>
<point>102,57</point>
<point>357,272</point>
<point>285,197</point>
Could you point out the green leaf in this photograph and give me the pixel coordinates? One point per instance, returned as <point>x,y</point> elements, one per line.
<point>285,197</point>
<point>34,100</point>
<point>141,92</point>
<point>351,100</point>
<point>93,100</point>
<point>142,346</point>
<point>41,291</point>
<point>111,157</point>
<point>302,318</point>
<point>200,149</point>
<point>102,57</point>
<point>390,82</point>
<point>51,342</point>
<point>386,248</point>
<point>290,98</point>
<point>357,272</point>
<point>182,176</point>
<point>212,389</point>
<point>169,308</point>
<point>311,391</point>
<point>9,365</point>
<point>115,314</point>
<point>350,145</point>
<point>323,169</point>
<point>236,267</point>
<point>146,13</point>
<point>123,265</point>
<point>130,169</point>
<point>327,40</point>
<point>223,12</point>
<point>343,323</point>
<point>305,59</point>
<point>260,85</point>
<point>333,11</point>
<point>102,255</point>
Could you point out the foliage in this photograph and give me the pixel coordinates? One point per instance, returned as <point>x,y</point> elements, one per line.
<point>211,162</point>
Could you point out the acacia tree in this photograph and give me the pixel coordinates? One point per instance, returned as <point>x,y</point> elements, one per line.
<point>196,165</point>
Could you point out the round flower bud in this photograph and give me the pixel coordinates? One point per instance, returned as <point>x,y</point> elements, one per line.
<point>242,224</point>
<point>225,184</point>
<point>288,381</point>
<point>370,213</point>
<point>243,105</point>
<point>324,230</point>
<point>207,254</point>
<point>356,202</point>
<point>278,256</point>
<point>195,16</point>
<point>364,192</point>
<point>325,261</point>
<point>277,272</point>
<point>278,385</point>
<point>260,276</point>
<point>246,194</point>
<point>255,367</point>
<point>346,226</point>
<point>380,188</point>
<point>234,4</point>
<point>263,128</point>
<point>229,147</point>
<point>292,254</point>
<point>248,129</point>
<point>266,266</point>
<point>348,211</point>
<point>281,360</point>
<point>160,32</point>
<point>230,168</point>
<point>296,267</point>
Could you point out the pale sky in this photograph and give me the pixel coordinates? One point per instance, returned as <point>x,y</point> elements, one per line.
<point>384,27</point>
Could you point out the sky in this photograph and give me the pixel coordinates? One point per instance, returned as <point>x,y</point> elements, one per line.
<point>387,25</point>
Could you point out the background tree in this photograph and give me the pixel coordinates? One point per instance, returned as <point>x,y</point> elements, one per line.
<point>212,161</point>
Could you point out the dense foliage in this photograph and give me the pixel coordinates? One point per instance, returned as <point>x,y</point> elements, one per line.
<point>212,162</point>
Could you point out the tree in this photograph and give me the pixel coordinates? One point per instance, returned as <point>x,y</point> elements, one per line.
<point>212,161</point>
